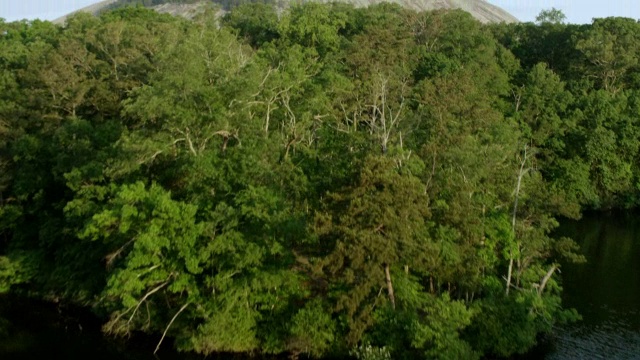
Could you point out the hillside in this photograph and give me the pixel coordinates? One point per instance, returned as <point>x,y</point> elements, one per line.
<point>480,9</point>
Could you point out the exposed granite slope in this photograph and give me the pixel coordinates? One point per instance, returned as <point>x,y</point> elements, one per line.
<point>480,9</point>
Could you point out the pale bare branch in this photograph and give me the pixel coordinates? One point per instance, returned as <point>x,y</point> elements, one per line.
<point>168,326</point>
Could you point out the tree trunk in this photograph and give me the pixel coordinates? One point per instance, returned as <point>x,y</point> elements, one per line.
<point>509,273</point>
<point>546,278</point>
<point>513,219</point>
<point>387,275</point>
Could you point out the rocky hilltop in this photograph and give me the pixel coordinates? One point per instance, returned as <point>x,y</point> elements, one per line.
<point>480,9</point>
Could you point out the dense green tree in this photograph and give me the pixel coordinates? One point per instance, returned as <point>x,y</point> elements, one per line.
<point>376,225</point>
<point>324,181</point>
<point>611,48</point>
<point>257,23</point>
<point>313,25</point>
<point>552,15</point>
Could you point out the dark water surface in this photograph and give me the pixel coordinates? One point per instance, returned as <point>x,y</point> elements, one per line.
<point>605,290</point>
<point>38,330</point>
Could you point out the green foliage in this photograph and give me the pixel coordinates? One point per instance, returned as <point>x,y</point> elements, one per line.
<point>312,330</point>
<point>506,326</point>
<point>313,25</point>
<point>611,47</point>
<point>552,15</point>
<point>257,23</point>
<point>124,3</point>
<point>378,222</point>
<point>438,335</point>
<point>13,272</point>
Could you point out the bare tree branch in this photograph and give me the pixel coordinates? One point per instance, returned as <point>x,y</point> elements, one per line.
<point>168,326</point>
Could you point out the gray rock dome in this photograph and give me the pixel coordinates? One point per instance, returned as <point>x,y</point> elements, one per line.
<point>480,9</point>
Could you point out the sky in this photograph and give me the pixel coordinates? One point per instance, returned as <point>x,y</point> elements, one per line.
<point>12,10</point>
<point>577,11</point>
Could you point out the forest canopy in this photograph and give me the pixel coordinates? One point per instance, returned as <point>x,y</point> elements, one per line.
<point>322,182</point>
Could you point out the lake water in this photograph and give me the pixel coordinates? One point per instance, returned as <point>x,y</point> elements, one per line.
<point>605,290</point>
<point>40,330</point>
